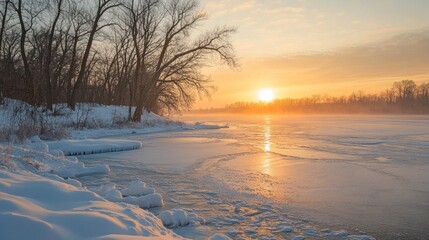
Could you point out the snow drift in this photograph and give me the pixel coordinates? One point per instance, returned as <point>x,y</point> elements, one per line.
<point>35,207</point>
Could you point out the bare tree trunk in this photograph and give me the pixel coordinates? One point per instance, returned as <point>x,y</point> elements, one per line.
<point>47,69</point>
<point>138,112</point>
<point>28,79</point>
<point>72,68</point>
<point>3,25</point>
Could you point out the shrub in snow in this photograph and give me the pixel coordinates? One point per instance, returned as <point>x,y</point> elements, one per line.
<point>19,121</point>
<point>137,188</point>
<point>178,218</point>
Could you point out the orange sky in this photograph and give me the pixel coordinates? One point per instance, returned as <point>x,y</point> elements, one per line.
<point>305,47</point>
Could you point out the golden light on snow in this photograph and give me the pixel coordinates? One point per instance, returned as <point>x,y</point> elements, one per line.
<point>266,95</point>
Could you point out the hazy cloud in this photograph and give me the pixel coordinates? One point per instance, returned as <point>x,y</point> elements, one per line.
<point>369,67</point>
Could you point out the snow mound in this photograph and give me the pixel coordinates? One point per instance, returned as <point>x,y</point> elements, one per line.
<point>219,237</point>
<point>137,188</point>
<point>70,181</point>
<point>93,146</point>
<point>36,144</point>
<point>35,207</point>
<point>178,218</point>
<point>150,201</point>
<point>109,192</point>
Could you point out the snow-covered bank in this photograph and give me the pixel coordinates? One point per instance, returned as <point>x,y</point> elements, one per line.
<point>37,193</point>
<point>35,157</point>
<point>20,120</point>
<point>35,207</point>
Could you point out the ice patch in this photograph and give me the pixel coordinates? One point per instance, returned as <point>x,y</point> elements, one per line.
<point>201,126</point>
<point>79,169</point>
<point>310,232</point>
<point>360,237</point>
<point>330,233</point>
<point>93,146</point>
<point>298,238</point>
<point>219,237</point>
<point>250,231</point>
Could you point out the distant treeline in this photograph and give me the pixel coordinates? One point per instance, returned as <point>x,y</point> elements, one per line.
<point>143,53</point>
<point>404,97</point>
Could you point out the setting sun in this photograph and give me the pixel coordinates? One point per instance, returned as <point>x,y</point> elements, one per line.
<point>266,95</point>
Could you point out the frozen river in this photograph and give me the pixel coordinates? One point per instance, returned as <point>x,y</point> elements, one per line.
<point>284,176</point>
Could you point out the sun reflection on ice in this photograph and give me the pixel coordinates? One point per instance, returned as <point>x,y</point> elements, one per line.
<point>267,146</point>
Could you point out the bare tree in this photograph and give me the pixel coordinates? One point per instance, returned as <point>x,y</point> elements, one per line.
<point>48,60</point>
<point>102,7</point>
<point>168,62</point>
<point>148,55</point>
<point>405,90</point>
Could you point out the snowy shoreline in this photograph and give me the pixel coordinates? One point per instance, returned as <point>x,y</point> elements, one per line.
<point>33,174</point>
<point>39,192</point>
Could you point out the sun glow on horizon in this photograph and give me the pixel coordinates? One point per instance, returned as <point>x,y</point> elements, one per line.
<point>266,95</point>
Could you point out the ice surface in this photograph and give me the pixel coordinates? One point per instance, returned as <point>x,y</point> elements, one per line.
<point>321,169</point>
